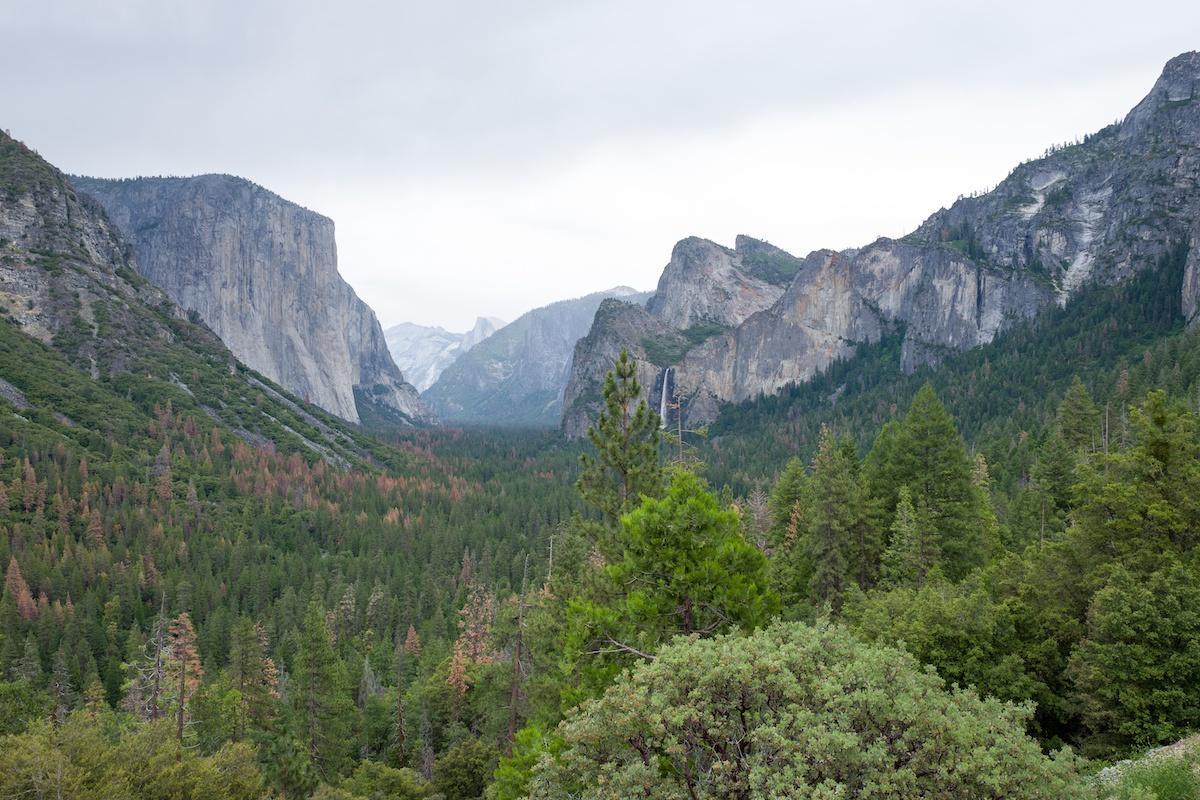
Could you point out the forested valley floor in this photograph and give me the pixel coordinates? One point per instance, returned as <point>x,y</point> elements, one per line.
<point>980,580</point>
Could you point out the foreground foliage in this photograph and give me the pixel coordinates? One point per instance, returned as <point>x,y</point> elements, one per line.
<point>798,712</point>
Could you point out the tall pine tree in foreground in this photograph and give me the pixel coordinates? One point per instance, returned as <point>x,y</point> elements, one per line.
<point>626,437</point>
<point>252,674</point>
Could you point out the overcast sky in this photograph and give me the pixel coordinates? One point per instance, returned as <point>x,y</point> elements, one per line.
<point>484,158</point>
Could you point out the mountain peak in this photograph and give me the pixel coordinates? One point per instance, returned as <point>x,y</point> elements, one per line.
<point>1173,104</point>
<point>262,273</point>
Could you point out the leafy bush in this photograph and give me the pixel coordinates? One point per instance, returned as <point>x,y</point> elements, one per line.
<point>799,712</point>
<point>1157,779</point>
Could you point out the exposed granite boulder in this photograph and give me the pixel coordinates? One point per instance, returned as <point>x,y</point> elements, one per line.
<point>262,273</point>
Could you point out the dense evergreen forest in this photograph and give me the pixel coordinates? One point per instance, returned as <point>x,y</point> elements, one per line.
<point>980,580</point>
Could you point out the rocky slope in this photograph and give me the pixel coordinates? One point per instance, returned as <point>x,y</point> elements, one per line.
<point>1101,209</point>
<point>262,273</point>
<point>99,344</point>
<point>517,375</point>
<point>423,352</point>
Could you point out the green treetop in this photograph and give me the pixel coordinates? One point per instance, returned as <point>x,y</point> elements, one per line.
<point>912,551</point>
<point>927,454</point>
<point>320,697</point>
<point>1078,417</point>
<point>626,437</point>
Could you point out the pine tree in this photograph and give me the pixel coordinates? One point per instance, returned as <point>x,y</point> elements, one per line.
<point>690,567</point>
<point>865,545</point>
<point>320,696</point>
<point>457,677</point>
<point>517,665</point>
<point>399,726</point>
<point>928,456</point>
<point>252,674</point>
<point>833,514</point>
<point>94,701</point>
<point>685,569</point>
<point>1054,471</point>
<point>626,436</point>
<point>882,470</point>
<point>18,589</point>
<point>95,529</point>
<point>1140,505</point>
<point>989,527</point>
<point>1078,417</point>
<point>62,692</point>
<point>29,488</point>
<point>30,666</point>
<point>376,609</point>
<point>184,669</point>
<point>912,552</point>
<point>786,497</point>
<point>412,643</point>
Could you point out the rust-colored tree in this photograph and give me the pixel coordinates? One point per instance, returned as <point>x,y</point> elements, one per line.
<point>18,590</point>
<point>185,669</point>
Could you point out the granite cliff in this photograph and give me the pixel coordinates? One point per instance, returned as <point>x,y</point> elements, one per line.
<point>1101,209</point>
<point>262,273</point>
<point>424,351</point>
<point>516,376</point>
<point>117,344</point>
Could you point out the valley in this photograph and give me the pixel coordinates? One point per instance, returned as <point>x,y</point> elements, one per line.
<point>919,518</point>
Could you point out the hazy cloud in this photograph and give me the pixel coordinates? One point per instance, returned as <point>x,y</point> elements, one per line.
<point>482,158</point>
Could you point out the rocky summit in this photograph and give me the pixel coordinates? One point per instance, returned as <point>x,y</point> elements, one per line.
<point>424,351</point>
<point>262,273</point>
<point>727,325</point>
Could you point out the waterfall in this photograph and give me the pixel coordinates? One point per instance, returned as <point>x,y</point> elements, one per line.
<point>662,403</point>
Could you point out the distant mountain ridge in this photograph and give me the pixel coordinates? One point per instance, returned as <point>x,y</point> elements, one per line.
<point>262,273</point>
<point>424,351</point>
<point>517,375</point>
<point>1101,210</point>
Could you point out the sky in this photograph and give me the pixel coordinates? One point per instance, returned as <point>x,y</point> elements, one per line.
<point>485,158</point>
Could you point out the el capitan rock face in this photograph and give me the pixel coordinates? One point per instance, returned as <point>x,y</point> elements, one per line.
<point>1100,210</point>
<point>262,273</point>
<point>69,280</point>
